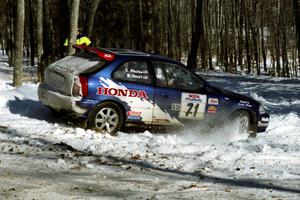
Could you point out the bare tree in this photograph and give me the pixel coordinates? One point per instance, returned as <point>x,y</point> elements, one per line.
<point>296,6</point>
<point>91,17</point>
<point>39,36</point>
<point>196,35</point>
<point>18,43</point>
<point>141,17</point>
<point>225,33</point>
<point>74,8</point>
<point>127,25</point>
<point>31,32</point>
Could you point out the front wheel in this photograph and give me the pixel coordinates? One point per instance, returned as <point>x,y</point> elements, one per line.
<point>106,118</point>
<point>243,124</point>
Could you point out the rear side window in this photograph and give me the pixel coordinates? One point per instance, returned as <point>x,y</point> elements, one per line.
<point>133,71</point>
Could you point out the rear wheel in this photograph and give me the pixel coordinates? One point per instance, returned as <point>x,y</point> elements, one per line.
<point>106,118</point>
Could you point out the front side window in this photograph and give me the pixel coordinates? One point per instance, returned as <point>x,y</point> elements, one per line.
<point>174,76</point>
<point>133,71</point>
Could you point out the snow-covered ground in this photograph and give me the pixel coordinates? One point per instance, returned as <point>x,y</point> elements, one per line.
<point>42,157</point>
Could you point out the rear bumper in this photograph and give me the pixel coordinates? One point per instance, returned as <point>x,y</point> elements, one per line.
<point>58,101</point>
<point>263,122</point>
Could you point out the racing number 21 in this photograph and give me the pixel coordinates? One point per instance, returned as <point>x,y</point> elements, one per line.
<point>191,106</point>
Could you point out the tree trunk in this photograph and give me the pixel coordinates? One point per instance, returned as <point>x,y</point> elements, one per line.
<point>47,31</point>
<point>91,17</point>
<point>141,17</point>
<point>263,50</point>
<point>127,28</point>
<point>196,35</point>
<point>44,18</point>
<point>296,6</point>
<point>155,27</point>
<point>283,28</point>
<point>247,41</point>
<point>256,56</point>
<point>18,43</point>
<point>31,32</point>
<point>73,25</point>
<point>209,33</point>
<point>240,35</point>
<point>255,32</point>
<point>170,31</point>
<point>277,41</point>
<point>263,38</point>
<point>277,49</point>
<point>10,8</point>
<point>39,36</point>
<point>177,39</point>
<point>225,41</point>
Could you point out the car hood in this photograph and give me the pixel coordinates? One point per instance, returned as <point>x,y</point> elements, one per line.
<point>235,96</point>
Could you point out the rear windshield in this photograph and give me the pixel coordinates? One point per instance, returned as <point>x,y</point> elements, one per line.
<point>82,63</point>
<point>91,57</point>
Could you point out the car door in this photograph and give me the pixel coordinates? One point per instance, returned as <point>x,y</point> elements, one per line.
<point>138,90</point>
<point>179,95</point>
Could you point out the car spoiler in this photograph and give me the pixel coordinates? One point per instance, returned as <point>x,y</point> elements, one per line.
<point>105,55</point>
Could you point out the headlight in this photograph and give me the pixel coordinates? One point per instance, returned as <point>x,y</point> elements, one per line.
<point>262,110</point>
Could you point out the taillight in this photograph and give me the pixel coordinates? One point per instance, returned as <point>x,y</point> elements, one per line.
<point>84,85</point>
<point>76,87</point>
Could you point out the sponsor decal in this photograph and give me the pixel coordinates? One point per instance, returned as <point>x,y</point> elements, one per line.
<point>175,107</point>
<point>213,101</point>
<point>137,74</point>
<point>122,92</point>
<point>193,97</point>
<point>212,109</point>
<point>136,71</point>
<point>244,102</point>
<point>245,105</point>
<point>134,115</point>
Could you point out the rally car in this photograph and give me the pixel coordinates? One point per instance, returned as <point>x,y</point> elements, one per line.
<point>115,88</point>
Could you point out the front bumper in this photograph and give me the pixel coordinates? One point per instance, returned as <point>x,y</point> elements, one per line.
<point>263,122</point>
<point>58,101</point>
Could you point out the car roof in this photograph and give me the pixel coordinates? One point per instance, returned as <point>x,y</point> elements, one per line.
<point>134,53</point>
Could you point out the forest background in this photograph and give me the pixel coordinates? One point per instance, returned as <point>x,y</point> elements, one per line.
<point>250,36</point>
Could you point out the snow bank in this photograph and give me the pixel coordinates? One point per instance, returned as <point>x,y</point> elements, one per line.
<point>274,154</point>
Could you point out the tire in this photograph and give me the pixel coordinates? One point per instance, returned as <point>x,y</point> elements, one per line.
<point>242,120</point>
<point>107,117</point>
